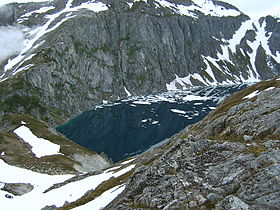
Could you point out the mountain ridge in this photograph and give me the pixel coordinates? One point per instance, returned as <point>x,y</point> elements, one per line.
<point>139,46</point>
<point>78,54</point>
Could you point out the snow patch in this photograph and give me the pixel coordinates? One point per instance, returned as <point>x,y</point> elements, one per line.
<point>270,88</point>
<point>252,95</point>
<point>184,82</point>
<point>127,92</point>
<point>104,199</point>
<point>195,98</point>
<point>127,161</point>
<point>155,122</point>
<point>40,147</point>
<point>69,192</point>
<point>141,102</point>
<point>178,111</point>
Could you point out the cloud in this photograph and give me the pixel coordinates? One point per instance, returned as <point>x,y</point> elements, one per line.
<point>11,41</point>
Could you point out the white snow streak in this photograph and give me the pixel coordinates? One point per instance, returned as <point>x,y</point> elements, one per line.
<point>178,111</point>
<point>184,82</point>
<point>127,92</point>
<point>195,98</point>
<point>252,95</point>
<point>142,102</point>
<point>103,200</point>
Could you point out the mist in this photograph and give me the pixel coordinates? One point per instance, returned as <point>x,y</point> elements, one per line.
<point>11,42</point>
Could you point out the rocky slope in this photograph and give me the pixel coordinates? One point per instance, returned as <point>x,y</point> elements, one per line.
<point>68,55</point>
<point>229,160</point>
<point>66,158</point>
<point>79,53</point>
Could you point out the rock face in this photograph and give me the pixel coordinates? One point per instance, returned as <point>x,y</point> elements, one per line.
<point>214,164</point>
<point>7,15</point>
<point>88,52</point>
<point>18,189</point>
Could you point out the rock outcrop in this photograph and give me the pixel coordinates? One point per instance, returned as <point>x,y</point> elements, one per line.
<point>229,160</point>
<point>7,15</point>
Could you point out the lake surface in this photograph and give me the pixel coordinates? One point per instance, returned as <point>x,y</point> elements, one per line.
<point>130,126</point>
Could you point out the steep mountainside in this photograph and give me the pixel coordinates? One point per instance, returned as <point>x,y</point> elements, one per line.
<point>59,58</point>
<point>79,53</point>
<point>229,160</point>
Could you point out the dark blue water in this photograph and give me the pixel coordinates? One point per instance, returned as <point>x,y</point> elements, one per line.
<point>129,127</point>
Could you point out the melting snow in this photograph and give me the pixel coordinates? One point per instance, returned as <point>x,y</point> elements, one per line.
<point>127,92</point>
<point>127,161</point>
<point>40,147</point>
<point>270,88</point>
<point>252,95</point>
<point>195,98</point>
<point>142,102</point>
<point>184,82</point>
<point>206,7</point>
<point>178,111</point>
<point>103,200</point>
<point>69,192</point>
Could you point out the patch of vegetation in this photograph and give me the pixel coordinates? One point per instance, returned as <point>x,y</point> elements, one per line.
<point>184,135</point>
<point>25,104</point>
<point>256,149</point>
<point>132,51</point>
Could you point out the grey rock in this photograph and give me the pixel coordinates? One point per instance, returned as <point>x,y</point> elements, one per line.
<point>201,199</point>
<point>7,15</point>
<point>193,204</point>
<point>18,189</point>
<point>222,172</point>
<point>213,197</point>
<point>247,138</point>
<point>232,202</point>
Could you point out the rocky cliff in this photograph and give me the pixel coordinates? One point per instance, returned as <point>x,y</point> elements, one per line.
<point>229,160</point>
<point>79,53</point>
<point>65,56</point>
